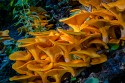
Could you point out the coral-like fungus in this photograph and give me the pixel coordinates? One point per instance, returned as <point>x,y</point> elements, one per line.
<point>51,54</point>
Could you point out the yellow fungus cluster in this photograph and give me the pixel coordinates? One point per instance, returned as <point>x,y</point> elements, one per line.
<point>4,35</point>
<point>53,53</point>
<point>108,16</point>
